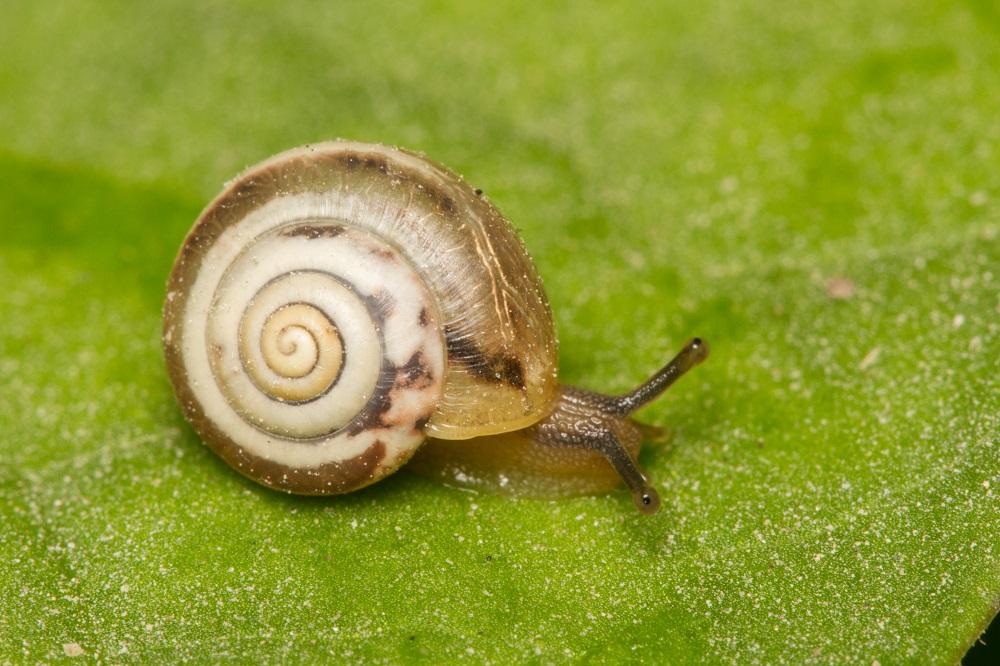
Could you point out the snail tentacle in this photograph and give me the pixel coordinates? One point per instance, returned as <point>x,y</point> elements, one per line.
<point>694,352</point>
<point>582,420</point>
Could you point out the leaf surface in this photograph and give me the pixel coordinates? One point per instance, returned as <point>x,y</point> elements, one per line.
<point>813,189</point>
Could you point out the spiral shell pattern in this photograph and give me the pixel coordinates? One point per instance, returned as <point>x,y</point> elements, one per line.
<point>310,352</point>
<point>340,301</point>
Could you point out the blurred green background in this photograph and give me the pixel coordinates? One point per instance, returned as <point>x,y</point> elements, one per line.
<point>812,187</point>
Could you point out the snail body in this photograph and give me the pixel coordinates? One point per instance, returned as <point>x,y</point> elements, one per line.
<point>340,304</point>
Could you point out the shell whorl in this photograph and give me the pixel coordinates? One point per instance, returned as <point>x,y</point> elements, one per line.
<point>295,354</point>
<point>303,351</point>
<point>338,302</point>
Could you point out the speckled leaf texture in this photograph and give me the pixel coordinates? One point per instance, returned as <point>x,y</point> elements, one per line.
<point>813,187</point>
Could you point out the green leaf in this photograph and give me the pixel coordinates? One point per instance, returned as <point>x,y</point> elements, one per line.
<point>813,188</point>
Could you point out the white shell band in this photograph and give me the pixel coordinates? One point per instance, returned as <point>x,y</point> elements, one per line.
<point>295,333</point>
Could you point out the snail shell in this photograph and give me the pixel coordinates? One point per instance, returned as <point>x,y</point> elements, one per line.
<point>340,302</point>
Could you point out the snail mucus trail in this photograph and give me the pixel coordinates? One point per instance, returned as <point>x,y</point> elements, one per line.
<point>343,308</point>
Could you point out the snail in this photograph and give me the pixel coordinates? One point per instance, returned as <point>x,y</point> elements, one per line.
<point>341,305</point>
